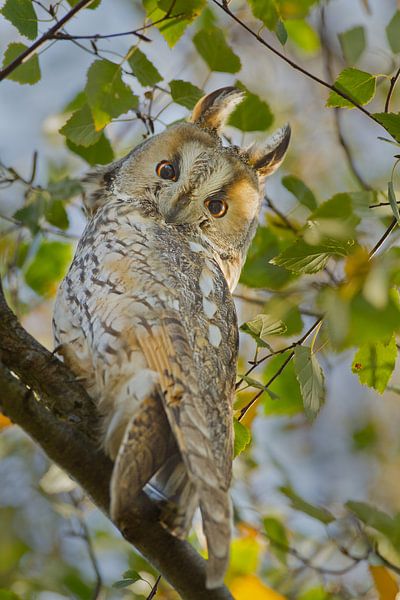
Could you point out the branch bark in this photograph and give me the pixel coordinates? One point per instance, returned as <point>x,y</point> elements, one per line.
<point>41,395</point>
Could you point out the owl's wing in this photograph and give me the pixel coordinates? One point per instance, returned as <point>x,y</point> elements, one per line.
<point>167,352</point>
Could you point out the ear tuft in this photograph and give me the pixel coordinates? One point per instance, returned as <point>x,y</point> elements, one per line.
<point>266,158</point>
<point>97,186</point>
<point>213,110</point>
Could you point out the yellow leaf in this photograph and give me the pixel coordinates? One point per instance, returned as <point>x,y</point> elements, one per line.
<point>385,583</point>
<point>250,587</point>
<point>4,422</point>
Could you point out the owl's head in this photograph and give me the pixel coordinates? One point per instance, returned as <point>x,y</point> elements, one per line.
<point>186,176</point>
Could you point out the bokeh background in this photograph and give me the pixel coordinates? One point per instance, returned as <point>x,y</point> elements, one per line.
<point>52,539</point>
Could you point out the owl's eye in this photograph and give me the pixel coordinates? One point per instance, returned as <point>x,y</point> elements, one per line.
<point>216,206</point>
<point>166,170</point>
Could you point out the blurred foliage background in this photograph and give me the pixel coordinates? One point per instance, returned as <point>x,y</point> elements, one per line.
<point>316,483</point>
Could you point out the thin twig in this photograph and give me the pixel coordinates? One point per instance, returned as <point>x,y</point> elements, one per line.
<point>154,589</point>
<point>393,82</point>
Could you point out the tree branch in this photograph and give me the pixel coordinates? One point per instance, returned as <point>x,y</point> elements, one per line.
<point>24,56</point>
<point>63,423</point>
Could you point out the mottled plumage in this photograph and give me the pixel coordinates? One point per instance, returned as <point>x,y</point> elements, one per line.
<point>146,318</point>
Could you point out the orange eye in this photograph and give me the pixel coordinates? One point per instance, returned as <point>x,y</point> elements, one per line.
<point>166,170</point>
<point>216,206</point>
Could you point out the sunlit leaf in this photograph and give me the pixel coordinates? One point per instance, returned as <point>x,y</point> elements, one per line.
<point>22,15</point>
<point>48,266</point>
<point>80,129</point>
<point>263,326</point>
<point>299,189</point>
<point>311,379</point>
<point>304,258</point>
<point>267,11</point>
<point>358,85</point>
<point>298,503</point>
<point>143,69</point>
<point>29,71</point>
<point>172,18</point>
<point>374,364</point>
<point>242,437</point>
<point>250,586</point>
<point>252,114</point>
<point>392,32</point>
<point>108,96</point>
<point>303,35</point>
<point>212,47</point>
<point>185,93</point>
<point>276,533</point>
<point>385,582</point>
<point>352,42</point>
<point>295,9</point>
<point>315,593</point>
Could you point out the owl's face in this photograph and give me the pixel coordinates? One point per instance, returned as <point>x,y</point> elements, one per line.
<point>185,176</point>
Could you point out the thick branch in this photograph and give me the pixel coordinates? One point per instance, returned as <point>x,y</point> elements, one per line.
<point>66,442</point>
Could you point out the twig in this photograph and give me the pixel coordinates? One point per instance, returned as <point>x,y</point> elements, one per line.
<point>153,591</point>
<point>280,214</point>
<point>393,82</point>
<point>293,64</point>
<point>85,535</point>
<point>26,54</point>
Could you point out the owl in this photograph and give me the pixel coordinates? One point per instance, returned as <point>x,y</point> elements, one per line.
<point>145,316</point>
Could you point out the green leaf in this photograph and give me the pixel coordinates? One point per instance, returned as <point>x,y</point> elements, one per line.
<point>9,595</point>
<point>258,272</point>
<point>393,201</point>
<point>365,438</point>
<point>316,593</point>
<point>131,574</point>
<point>258,385</point>
<point>374,364</point>
<point>64,189</point>
<point>379,520</point>
<point>352,42</point>
<point>369,324</point>
<point>182,14</point>
<point>298,503</point>
<point>56,214</point>
<point>184,93</point>
<point>358,85</point>
<point>144,70</point>
<point>99,153</point>
<point>22,15</point>
<point>303,35</point>
<point>212,47</point>
<point>31,213</point>
<point>267,11</point>
<point>299,189</point>
<point>311,379</point>
<point>48,266</point>
<point>252,114</point>
<point>304,258</point>
<point>295,9</point>
<point>242,437</point>
<point>263,326</point>
<point>285,387</point>
<point>123,583</point>
<point>28,72</point>
<point>79,128</point>
<point>393,32</point>
<point>108,96</point>
<point>276,533</point>
<point>281,33</point>
<point>391,122</point>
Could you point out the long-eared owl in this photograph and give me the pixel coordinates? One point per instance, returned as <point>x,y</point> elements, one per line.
<point>146,319</point>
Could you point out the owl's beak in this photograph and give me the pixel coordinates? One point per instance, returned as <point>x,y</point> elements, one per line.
<point>174,211</point>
